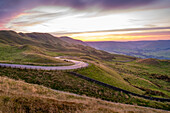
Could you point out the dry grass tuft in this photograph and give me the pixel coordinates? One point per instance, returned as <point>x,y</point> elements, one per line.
<point>18,96</point>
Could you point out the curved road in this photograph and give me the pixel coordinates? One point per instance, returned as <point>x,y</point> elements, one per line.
<point>77,65</point>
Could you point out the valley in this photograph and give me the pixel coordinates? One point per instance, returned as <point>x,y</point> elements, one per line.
<point>84,56</point>
<point>159,49</point>
<point>149,77</point>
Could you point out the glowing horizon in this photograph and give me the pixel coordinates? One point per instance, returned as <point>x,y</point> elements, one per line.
<point>122,35</point>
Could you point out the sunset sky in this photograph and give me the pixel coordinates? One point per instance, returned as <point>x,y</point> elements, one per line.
<point>89,20</point>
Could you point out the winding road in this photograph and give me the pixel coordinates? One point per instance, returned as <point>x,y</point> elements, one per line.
<point>77,65</point>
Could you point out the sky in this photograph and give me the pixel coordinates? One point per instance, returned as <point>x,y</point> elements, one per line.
<point>89,20</point>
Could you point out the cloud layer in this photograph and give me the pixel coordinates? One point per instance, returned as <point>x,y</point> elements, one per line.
<point>9,8</point>
<point>118,30</point>
<point>69,17</point>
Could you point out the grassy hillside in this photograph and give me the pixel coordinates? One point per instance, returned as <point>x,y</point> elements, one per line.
<point>143,76</point>
<point>147,79</point>
<point>150,75</point>
<point>38,48</point>
<point>21,47</point>
<point>26,54</point>
<point>18,96</point>
<point>70,83</point>
<point>104,74</point>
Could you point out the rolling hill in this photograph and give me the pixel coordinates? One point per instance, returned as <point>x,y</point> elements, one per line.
<point>133,74</point>
<point>73,41</point>
<point>20,47</point>
<point>143,49</point>
<point>17,96</point>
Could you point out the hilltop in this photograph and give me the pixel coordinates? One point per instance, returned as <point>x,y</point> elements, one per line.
<point>149,61</point>
<point>24,47</point>
<point>73,41</point>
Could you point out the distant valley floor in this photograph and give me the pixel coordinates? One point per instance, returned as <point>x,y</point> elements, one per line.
<point>143,49</point>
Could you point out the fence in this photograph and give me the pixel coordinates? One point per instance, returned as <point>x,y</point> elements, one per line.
<point>118,89</point>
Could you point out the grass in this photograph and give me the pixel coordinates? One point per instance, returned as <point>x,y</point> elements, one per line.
<point>54,79</point>
<point>27,55</point>
<point>150,80</point>
<point>104,74</point>
<point>40,48</point>
<point>145,77</point>
<point>139,82</point>
<point>139,78</point>
<point>18,96</point>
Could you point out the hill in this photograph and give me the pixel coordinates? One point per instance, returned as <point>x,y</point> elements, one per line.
<point>22,95</point>
<point>121,71</point>
<point>23,47</point>
<point>144,49</point>
<point>73,41</point>
<point>149,61</point>
<point>17,96</point>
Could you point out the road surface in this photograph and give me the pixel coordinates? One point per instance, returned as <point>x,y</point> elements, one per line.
<point>77,65</point>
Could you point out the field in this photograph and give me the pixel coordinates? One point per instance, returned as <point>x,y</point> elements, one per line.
<point>138,77</point>
<point>18,96</point>
<point>148,77</point>
<point>151,78</point>
<point>54,79</point>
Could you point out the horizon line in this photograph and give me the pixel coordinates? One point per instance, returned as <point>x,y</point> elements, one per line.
<point>128,41</point>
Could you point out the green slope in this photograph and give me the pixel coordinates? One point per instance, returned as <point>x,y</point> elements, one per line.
<point>63,81</point>
<point>118,70</point>
<point>20,47</point>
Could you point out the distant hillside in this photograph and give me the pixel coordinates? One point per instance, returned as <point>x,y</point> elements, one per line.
<point>30,47</point>
<point>144,49</point>
<point>149,61</point>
